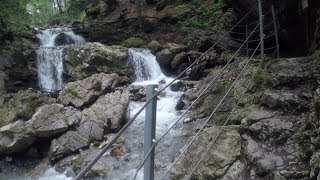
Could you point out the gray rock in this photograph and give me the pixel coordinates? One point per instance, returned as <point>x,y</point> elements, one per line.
<point>54,119</point>
<point>288,71</point>
<point>178,59</point>
<point>287,101</point>
<point>84,60</point>
<point>66,144</point>
<point>16,137</point>
<point>164,58</point>
<point>22,106</point>
<point>106,114</point>
<point>217,161</point>
<point>175,48</point>
<point>276,129</point>
<point>154,46</point>
<point>84,92</point>
<point>178,86</point>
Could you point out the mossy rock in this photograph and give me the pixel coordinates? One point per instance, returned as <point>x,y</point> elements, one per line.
<point>22,107</point>
<point>134,42</point>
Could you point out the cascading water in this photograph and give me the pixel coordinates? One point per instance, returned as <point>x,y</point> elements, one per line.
<point>147,71</point>
<point>50,57</point>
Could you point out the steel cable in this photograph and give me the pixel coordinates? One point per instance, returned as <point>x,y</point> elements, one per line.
<point>229,117</point>
<point>182,153</point>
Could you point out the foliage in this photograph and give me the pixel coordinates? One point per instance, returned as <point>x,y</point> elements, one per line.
<point>203,14</point>
<point>220,88</point>
<point>14,14</point>
<point>259,80</point>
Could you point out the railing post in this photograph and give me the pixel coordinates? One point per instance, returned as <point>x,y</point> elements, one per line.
<point>275,31</point>
<point>261,31</point>
<point>150,132</point>
<point>247,43</point>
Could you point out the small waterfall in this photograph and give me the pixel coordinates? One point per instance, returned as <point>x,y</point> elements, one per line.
<point>50,57</point>
<point>148,71</point>
<point>145,65</point>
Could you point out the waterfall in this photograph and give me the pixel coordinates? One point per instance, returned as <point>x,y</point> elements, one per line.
<point>145,65</point>
<point>148,71</point>
<point>50,56</point>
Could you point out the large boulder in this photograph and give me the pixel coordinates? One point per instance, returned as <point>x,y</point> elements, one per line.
<point>287,101</point>
<point>63,39</point>
<point>16,137</point>
<point>84,60</point>
<point>54,119</point>
<point>218,159</point>
<point>84,92</point>
<point>66,144</point>
<point>105,115</point>
<point>167,54</point>
<point>22,106</point>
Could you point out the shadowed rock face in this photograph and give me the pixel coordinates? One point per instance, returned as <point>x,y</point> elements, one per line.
<point>63,39</point>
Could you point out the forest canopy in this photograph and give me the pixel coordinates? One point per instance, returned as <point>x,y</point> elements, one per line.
<point>20,14</point>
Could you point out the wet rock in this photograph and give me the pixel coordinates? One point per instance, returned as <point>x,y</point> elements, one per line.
<point>84,92</point>
<point>22,106</point>
<point>84,60</point>
<point>182,103</point>
<point>66,144</point>
<point>154,46</point>
<point>54,119</point>
<point>165,57</point>
<point>63,39</point>
<point>16,137</point>
<point>137,94</point>
<point>196,72</point>
<point>178,59</point>
<point>217,161</point>
<point>106,114</point>
<point>178,86</point>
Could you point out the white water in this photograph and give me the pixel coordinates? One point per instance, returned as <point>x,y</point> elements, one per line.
<point>50,58</point>
<point>147,71</point>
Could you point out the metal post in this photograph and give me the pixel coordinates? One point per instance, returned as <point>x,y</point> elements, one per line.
<point>275,31</point>
<point>261,31</point>
<point>150,132</point>
<point>247,43</point>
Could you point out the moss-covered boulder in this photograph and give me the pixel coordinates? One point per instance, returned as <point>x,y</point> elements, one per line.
<point>22,106</point>
<point>134,42</point>
<point>84,60</point>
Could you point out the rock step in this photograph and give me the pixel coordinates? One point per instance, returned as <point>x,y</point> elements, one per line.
<point>286,101</point>
<point>288,72</point>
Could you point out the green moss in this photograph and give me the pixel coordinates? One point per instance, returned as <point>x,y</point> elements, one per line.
<point>221,117</point>
<point>203,15</point>
<point>134,42</point>
<point>73,93</point>
<point>260,80</point>
<point>220,88</point>
<point>65,119</point>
